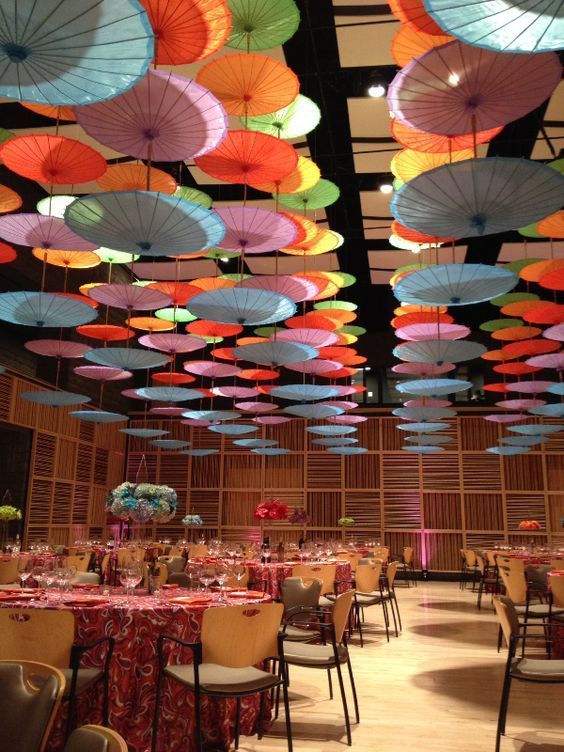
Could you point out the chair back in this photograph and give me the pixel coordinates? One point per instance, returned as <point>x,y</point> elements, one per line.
<point>557,564</point>
<point>367,577</point>
<point>233,582</point>
<point>391,572</point>
<point>174,551</point>
<point>515,584</point>
<point>482,564</point>
<point>196,550</point>
<point>491,556</point>
<point>352,558</point>
<point>126,554</point>
<point>95,739</point>
<point>510,562</point>
<point>241,636</point>
<point>507,616</point>
<point>469,557</point>
<point>323,572</point>
<point>31,695</point>
<point>40,635</point>
<point>381,552</point>
<point>407,555</point>
<point>173,563</point>
<point>341,611</point>
<point>295,592</point>
<point>80,561</point>
<point>179,578</point>
<point>557,589</point>
<point>86,578</point>
<point>9,570</point>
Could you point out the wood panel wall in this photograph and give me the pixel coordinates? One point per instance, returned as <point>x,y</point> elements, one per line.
<point>72,466</point>
<point>436,503</point>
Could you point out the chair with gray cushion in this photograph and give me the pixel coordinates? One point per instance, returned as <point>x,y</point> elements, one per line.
<point>522,669</point>
<point>95,739</point>
<point>174,564</point>
<point>297,595</point>
<point>31,695</point>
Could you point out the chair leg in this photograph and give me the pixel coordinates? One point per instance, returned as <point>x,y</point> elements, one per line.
<point>480,593</point>
<point>353,687</point>
<point>345,706</point>
<point>359,625</point>
<point>413,575</point>
<point>287,709</point>
<point>503,710</point>
<point>330,680</point>
<point>393,615</point>
<point>499,638</point>
<point>386,619</point>
<point>70,715</point>
<point>260,729</point>
<point>238,720</point>
<point>198,709</point>
<point>397,610</point>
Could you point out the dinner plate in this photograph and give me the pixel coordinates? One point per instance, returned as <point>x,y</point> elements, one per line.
<point>186,600</point>
<point>81,602</point>
<point>250,594</point>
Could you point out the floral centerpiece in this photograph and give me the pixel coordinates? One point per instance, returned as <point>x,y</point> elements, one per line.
<point>192,520</point>
<point>530,525</point>
<point>345,521</point>
<point>142,502</point>
<point>8,513</point>
<point>272,509</point>
<point>299,517</point>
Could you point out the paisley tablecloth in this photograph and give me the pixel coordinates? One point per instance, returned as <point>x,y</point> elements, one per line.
<point>269,576</point>
<point>135,628</point>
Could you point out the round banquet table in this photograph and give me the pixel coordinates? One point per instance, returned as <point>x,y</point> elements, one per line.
<point>269,576</point>
<point>135,628</point>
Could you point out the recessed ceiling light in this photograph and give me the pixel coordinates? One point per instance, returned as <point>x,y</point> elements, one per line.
<point>224,259</point>
<point>376,90</point>
<point>386,188</point>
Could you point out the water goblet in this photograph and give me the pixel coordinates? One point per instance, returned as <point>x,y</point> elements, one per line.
<point>207,576</point>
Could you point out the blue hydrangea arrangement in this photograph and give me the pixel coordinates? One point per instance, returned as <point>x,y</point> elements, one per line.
<point>192,520</point>
<point>142,502</point>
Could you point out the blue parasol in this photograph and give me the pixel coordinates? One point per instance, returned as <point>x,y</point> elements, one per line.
<point>245,306</point>
<point>44,309</point>
<point>128,358</point>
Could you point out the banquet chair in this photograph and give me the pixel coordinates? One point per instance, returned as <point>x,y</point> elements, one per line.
<point>86,578</point>
<point>406,566</point>
<point>352,558</point>
<point>126,554</point>
<point>557,564</point>
<point>195,550</point>
<point>239,584</point>
<point>388,579</point>
<point>173,563</point>
<point>80,561</point>
<point>160,571</point>
<point>523,669</point>
<point>369,591</point>
<point>179,578</point>
<point>233,641</point>
<point>31,695</point>
<point>9,570</point>
<point>296,595</point>
<point>95,739</point>
<point>557,592</point>
<point>380,552</point>
<point>488,579</point>
<point>325,573</point>
<point>469,567</point>
<point>331,652</point>
<point>47,636</point>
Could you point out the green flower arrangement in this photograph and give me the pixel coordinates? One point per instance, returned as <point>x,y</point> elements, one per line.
<point>345,521</point>
<point>8,512</point>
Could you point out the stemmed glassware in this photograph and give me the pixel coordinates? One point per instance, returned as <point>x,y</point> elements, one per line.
<point>222,574</point>
<point>130,576</point>
<point>207,576</point>
<point>239,571</point>
<point>24,570</point>
<point>193,573</point>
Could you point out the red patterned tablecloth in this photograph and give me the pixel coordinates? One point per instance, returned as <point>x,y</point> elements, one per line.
<point>274,573</point>
<point>135,628</point>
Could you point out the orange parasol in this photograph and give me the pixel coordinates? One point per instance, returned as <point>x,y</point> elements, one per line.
<point>105,332</point>
<point>339,314</point>
<point>413,14</point>
<point>340,373</point>
<point>497,355</point>
<point>225,353</point>
<point>416,237</point>
<point>85,289</point>
<point>150,324</point>
<point>52,159</point>
<point>500,387</point>
<point>257,374</point>
<point>187,30</point>
<point>327,286</point>
<point>250,340</point>
<point>249,156</point>
<point>57,112</point>
<point>515,333</point>
<point>421,318</point>
<point>179,292</point>
<point>133,177</point>
<point>171,378</point>
<point>7,253</point>
<point>403,310</point>
<point>307,229</point>
<point>516,369</point>
<point>302,178</point>
<point>522,307</point>
<point>9,200</point>
<point>313,321</point>
<point>68,259</point>
<point>214,329</point>
<point>552,227</point>
<point>412,138</point>
<point>408,163</point>
<point>530,347</point>
<point>547,313</point>
<point>250,84</point>
<point>211,283</point>
<point>324,241</point>
<point>533,272</point>
<point>554,280</point>
<point>80,298</point>
<point>410,43</point>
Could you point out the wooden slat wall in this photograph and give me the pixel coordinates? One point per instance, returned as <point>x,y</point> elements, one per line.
<point>436,503</point>
<point>72,466</point>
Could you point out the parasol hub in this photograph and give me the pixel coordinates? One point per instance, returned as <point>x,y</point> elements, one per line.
<point>17,53</point>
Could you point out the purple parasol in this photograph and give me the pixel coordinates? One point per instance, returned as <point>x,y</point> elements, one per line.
<point>39,231</point>
<point>254,230</point>
<point>530,387</point>
<point>130,297</point>
<point>432,331</point>
<point>505,418</point>
<point>172,342</point>
<point>271,420</point>
<point>256,407</point>
<point>237,392</point>
<point>211,369</point>
<point>346,420</point>
<point>551,360</point>
<point>315,366</point>
<point>423,369</point>
<point>295,288</point>
<point>427,403</point>
<point>520,404</point>
<point>103,373</point>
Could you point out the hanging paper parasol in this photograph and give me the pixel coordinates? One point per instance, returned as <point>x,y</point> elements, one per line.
<point>238,392</point>
<point>557,389</point>
<point>52,54</point>
<point>102,373</point>
<point>523,27</point>
<point>304,177</point>
<point>99,416</point>
<point>168,393</point>
<point>433,387</point>
<point>408,164</point>
<point>153,224</point>
<point>520,404</point>
<point>555,410</point>
<point>271,420</point>
<point>324,193</point>
<point>325,430</point>
<point>546,313</point>
<point>261,26</point>
<point>149,324</point>
<point>130,359</point>
<point>176,315</point>
<point>295,120</point>
<point>423,427</point>
<point>422,414</point>
<point>426,402</point>
<point>165,117</point>
<point>454,284</point>
<point>423,369</point>
<point>529,347</point>
<point>199,452</point>
<point>304,392</point>
<point>134,177</point>
<point>105,332</point>
<point>409,43</point>
<point>172,378</point>
<point>55,399</point>
<point>186,32</point>
<point>275,353</point>
<point>537,429</point>
<point>53,159</point>
<point>554,280</point>
<point>424,449</point>
<point>417,332</point>
<point>172,343</point>
<point>294,288</point>
<point>508,451</point>
<point>306,336</point>
<point>253,230</point>
<point>213,329</point>
<point>68,259</point>
<point>524,441</point>
<point>316,367</point>
<point>334,441</point>
<point>56,348</point>
<point>555,333</point>
<point>7,254</point>
<point>530,387</point>
<point>247,307</point>
<point>42,232</point>
<point>552,360</point>
<point>413,14</point>
<point>317,412</point>
<point>194,195</point>
<point>43,309</point>
<point>233,429</point>
<point>249,157</point>
<point>129,297</point>
<point>516,333</point>
<point>457,89</point>
<point>255,443</point>
<point>143,433</point>
<point>347,419</point>
<point>478,197</point>
<point>10,201</point>
<point>249,84</point>
<point>271,452</point>
<point>256,407</point>
<point>430,440</point>
<point>516,369</point>
<point>258,374</point>
<point>211,415</point>
<point>412,138</point>
<point>210,369</point>
<point>439,351</point>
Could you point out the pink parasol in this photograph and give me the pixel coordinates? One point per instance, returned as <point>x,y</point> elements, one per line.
<point>254,230</point>
<point>168,412</point>
<point>520,404</point>
<point>295,288</point>
<point>505,418</point>
<point>343,404</point>
<point>314,366</point>
<point>55,348</point>
<point>552,360</point>
<point>271,420</point>
<point>211,369</point>
<point>427,403</point>
<point>164,117</point>
<point>306,336</point>
<point>132,394</point>
<point>415,332</point>
<point>172,342</point>
<point>347,420</point>
<point>530,387</point>
<point>256,407</point>
<point>199,423</point>
<point>423,369</point>
<point>130,297</point>
<point>555,332</point>
<point>342,390</point>
<point>39,231</point>
<point>103,373</point>
<point>456,89</point>
<point>236,392</point>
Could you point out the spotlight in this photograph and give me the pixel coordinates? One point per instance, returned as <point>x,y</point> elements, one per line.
<point>224,259</point>
<point>386,188</point>
<point>376,90</point>
<point>454,79</point>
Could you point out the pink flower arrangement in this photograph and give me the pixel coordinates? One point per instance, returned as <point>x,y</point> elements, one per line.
<point>530,525</point>
<point>299,517</point>
<point>272,509</point>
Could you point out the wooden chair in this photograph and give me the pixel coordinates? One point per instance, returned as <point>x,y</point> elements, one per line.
<point>47,636</point>
<point>369,591</point>
<point>489,579</point>
<point>9,570</point>
<point>522,669</point>
<point>332,653</point>
<point>126,554</point>
<point>233,642</point>
<point>325,573</point>
<point>556,590</point>
<point>557,564</point>
<point>380,552</point>
<point>80,561</point>
<point>31,695</point>
<point>297,595</point>
<point>95,739</point>
<point>195,550</point>
<point>352,558</point>
<point>173,564</point>
<point>406,565</point>
<point>469,567</point>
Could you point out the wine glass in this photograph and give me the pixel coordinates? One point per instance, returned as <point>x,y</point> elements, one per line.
<point>222,574</point>
<point>24,570</point>
<point>267,553</point>
<point>239,571</point>
<point>207,576</point>
<point>193,573</point>
<point>130,576</point>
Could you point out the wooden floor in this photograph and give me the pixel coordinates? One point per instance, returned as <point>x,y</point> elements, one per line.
<point>435,688</point>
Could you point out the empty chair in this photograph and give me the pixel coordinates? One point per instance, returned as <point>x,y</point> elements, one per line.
<point>389,594</point>
<point>297,595</point>
<point>522,669</point>
<point>469,567</point>
<point>406,565</point>
<point>380,552</point>
<point>557,592</point>
<point>173,563</point>
<point>195,550</point>
<point>31,695</point>
<point>48,636</point>
<point>557,564</point>
<point>9,571</point>
<point>489,580</point>
<point>80,561</point>
<point>325,573</point>
<point>233,642</point>
<point>331,654</point>
<point>86,578</point>
<point>179,578</point>
<point>370,592</point>
<point>352,558</point>
<point>131,552</point>
<point>95,739</point>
